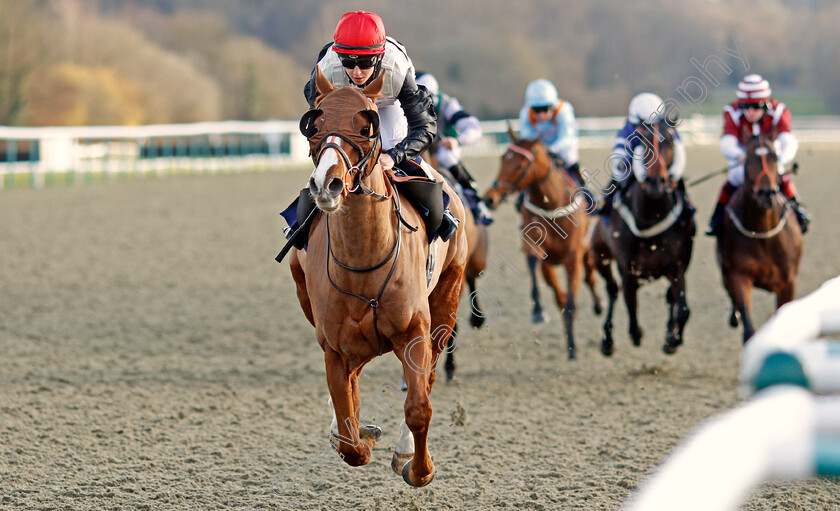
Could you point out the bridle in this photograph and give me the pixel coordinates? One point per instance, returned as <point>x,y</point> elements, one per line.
<point>510,187</point>
<point>353,183</point>
<point>659,159</point>
<point>762,151</point>
<point>355,173</point>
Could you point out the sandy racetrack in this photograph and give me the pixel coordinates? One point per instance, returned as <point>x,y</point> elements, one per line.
<point>154,356</point>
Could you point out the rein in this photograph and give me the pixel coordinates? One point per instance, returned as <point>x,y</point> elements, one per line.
<point>759,235</point>
<point>394,254</point>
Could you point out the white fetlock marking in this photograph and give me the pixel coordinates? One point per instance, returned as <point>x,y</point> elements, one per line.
<point>334,423</point>
<point>405,445</point>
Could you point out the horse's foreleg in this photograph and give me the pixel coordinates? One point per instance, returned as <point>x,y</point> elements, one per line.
<point>589,278</point>
<point>450,357</point>
<point>631,288</point>
<point>418,359</point>
<point>739,288</point>
<point>537,316</point>
<point>786,293</point>
<point>300,284</point>
<point>565,302</point>
<point>354,449</point>
<point>605,269</point>
<point>678,314</point>
<point>476,314</point>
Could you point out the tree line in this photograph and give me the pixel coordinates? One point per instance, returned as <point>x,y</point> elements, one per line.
<point>77,62</point>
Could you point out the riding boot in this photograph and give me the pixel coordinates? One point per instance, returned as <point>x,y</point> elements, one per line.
<point>462,175</point>
<point>574,171</point>
<point>801,215</point>
<point>480,211</point>
<point>716,222</point>
<point>448,226</point>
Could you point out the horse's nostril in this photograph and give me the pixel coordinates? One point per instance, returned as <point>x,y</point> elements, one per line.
<point>335,186</point>
<point>313,188</point>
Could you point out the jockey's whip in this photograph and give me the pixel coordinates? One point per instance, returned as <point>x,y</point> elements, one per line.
<point>709,176</point>
<point>794,168</point>
<point>304,227</point>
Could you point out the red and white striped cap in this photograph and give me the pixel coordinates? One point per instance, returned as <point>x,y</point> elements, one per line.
<point>753,89</point>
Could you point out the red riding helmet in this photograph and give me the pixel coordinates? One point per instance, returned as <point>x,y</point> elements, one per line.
<point>753,89</point>
<point>359,33</point>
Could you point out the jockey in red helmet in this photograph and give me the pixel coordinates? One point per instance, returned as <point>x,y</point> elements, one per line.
<point>755,112</point>
<point>359,53</point>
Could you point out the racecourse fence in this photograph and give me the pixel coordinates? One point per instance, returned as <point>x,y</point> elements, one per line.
<point>36,157</point>
<point>789,430</point>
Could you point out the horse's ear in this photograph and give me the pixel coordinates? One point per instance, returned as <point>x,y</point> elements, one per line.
<point>366,123</point>
<point>322,84</point>
<point>374,89</point>
<point>512,134</point>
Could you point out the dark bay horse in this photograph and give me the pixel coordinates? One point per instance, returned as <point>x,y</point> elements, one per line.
<point>549,212</point>
<point>478,246</point>
<point>761,243</point>
<point>649,235</point>
<point>362,281</point>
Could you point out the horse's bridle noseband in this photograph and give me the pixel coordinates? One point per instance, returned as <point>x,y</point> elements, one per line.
<point>510,187</point>
<point>355,173</point>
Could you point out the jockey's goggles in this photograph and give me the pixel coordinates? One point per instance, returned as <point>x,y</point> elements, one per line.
<point>541,109</point>
<point>350,61</point>
<point>757,106</point>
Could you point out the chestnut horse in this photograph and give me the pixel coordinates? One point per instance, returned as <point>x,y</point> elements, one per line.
<point>547,211</point>
<point>649,234</point>
<point>477,241</point>
<point>363,283</point>
<point>761,243</point>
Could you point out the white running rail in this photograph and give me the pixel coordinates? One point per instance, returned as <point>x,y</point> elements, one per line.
<point>789,431</point>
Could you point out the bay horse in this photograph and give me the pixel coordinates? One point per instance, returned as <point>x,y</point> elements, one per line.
<point>363,281</point>
<point>561,223</point>
<point>649,235</point>
<point>478,246</point>
<point>760,244</point>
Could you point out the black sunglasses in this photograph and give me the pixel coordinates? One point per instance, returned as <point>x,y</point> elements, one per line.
<point>541,109</point>
<point>756,106</point>
<point>364,62</point>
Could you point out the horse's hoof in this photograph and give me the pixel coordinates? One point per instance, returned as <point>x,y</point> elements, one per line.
<point>607,347</point>
<point>572,354</point>
<point>597,309</point>
<point>539,317</point>
<point>476,321</point>
<point>637,337</point>
<point>407,478</point>
<point>398,461</point>
<point>733,319</point>
<point>371,431</point>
